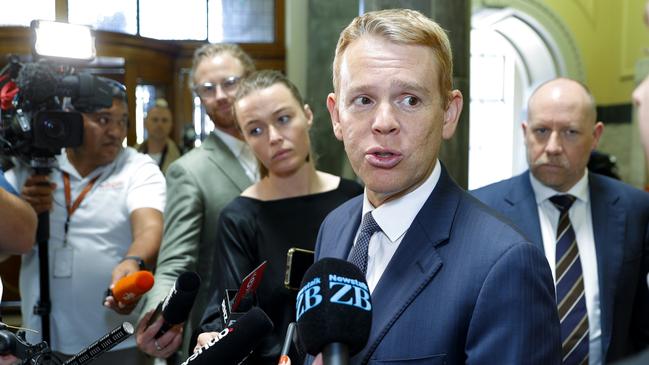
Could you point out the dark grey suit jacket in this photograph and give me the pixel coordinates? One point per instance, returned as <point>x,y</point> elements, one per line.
<point>620,216</point>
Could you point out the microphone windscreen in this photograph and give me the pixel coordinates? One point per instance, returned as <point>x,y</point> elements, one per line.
<point>129,288</point>
<point>333,306</point>
<point>179,301</point>
<point>37,83</point>
<point>235,342</point>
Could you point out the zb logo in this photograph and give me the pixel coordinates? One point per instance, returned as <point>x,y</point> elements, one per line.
<point>308,297</point>
<point>349,292</point>
<point>342,290</point>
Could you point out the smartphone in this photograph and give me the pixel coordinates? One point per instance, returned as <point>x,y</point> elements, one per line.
<point>298,260</point>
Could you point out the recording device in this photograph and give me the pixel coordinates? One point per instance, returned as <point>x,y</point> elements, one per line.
<point>35,121</point>
<point>178,303</point>
<point>130,288</point>
<point>236,342</point>
<point>107,342</point>
<point>16,345</point>
<point>286,347</point>
<point>237,302</point>
<point>334,310</point>
<point>11,344</point>
<point>298,260</point>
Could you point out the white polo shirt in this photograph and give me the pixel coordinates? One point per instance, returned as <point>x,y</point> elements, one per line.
<point>99,236</point>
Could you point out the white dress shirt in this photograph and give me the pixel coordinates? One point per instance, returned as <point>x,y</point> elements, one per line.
<point>582,223</point>
<point>242,152</point>
<point>394,218</point>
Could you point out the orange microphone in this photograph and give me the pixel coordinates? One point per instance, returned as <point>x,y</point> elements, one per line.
<point>130,288</point>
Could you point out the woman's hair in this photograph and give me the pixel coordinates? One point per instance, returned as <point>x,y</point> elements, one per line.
<point>260,80</point>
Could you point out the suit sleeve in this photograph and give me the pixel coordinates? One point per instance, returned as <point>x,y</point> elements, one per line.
<point>640,320</point>
<point>516,312</point>
<point>236,256</point>
<point>183,219</point>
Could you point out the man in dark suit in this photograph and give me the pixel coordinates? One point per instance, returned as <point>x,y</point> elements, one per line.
<point>609,222</point>
<point>450,282</point>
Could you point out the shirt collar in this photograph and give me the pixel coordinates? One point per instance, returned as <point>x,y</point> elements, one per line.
<point>66,166</point>
<point>396,216</point>
<point>234,144</point>
<point>543,193</point>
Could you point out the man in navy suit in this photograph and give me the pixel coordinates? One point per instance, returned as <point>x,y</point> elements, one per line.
<point>610,219</point>
<point>451,283</point>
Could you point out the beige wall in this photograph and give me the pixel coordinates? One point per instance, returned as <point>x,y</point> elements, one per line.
<point>611,38</point>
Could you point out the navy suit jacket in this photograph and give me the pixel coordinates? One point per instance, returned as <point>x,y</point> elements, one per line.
<point>463,287</point>
<point>620,216</point>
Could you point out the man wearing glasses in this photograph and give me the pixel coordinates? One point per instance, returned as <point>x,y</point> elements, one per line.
<point>199,185</point>
<point>105,203</point>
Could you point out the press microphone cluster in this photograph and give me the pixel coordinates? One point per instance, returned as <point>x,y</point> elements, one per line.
<point>334,311</point>
<point>236,342</point>
<point>176,306</point>
<point>130,288</point>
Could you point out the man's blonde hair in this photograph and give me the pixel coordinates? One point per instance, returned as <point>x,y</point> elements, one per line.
<point>210,50</point>
<point>403,26</point>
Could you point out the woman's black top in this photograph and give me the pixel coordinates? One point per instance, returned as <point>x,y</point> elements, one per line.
<point>251,231</point>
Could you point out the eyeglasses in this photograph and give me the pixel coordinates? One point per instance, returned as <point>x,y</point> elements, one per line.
<point>208,90</point>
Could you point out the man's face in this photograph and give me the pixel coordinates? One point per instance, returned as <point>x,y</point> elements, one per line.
<point>221,71</point>
<point>390,114</point>
<point>560,134</point>
<point>103,133</point>
<point>641,101</point>
<point>158,123</point>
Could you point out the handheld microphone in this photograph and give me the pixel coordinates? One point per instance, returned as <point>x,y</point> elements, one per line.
<point>334,310</point>
<point>176,306</point>
<point>130,288</point>
<point>236,342</point>
<point>102,345</point>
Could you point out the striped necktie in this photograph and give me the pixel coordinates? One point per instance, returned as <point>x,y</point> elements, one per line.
<point>358,254</point>
<point>571,300</point>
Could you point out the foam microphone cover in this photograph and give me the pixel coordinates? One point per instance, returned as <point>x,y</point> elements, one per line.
<point>179,302</point>
<point>37,83</point>
<point>342,313</point>
<point>236,342</point>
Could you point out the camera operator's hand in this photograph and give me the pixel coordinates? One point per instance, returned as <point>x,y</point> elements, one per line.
<point>9,360</point>
<point>164,346</point>
<point>121,270</point>
<point>38,192</point>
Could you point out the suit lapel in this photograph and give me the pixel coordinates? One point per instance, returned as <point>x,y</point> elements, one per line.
<point>520,207</point>
<point>609,219</point>
<point>415,262</point>
<point>344,239</point>
<point>219,154</point>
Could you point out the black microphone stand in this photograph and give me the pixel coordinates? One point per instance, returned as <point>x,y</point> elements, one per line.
<point>43,308</point>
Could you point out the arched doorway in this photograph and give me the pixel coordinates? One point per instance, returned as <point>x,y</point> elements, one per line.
<point>511,53</point>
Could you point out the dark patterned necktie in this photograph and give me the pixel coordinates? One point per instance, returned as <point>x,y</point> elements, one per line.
<point>571,300</point>
<point>358,254</point>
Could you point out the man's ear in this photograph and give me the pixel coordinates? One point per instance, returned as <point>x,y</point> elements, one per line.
<point>597,133</point>
<point>452,114</point>
<point>309,115</point>
<point>332,106</point>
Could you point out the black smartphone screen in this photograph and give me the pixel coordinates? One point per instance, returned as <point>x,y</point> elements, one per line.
<point>298,260</point>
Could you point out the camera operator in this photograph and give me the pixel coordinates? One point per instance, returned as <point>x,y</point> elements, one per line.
<point>105,204</point>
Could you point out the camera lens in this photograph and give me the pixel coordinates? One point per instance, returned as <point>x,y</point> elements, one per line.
<point>54,128</point>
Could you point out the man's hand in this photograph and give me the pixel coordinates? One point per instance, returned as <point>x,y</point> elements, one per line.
<point>164,346</point>
<point>38,193</point>
<point>121,270</point>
